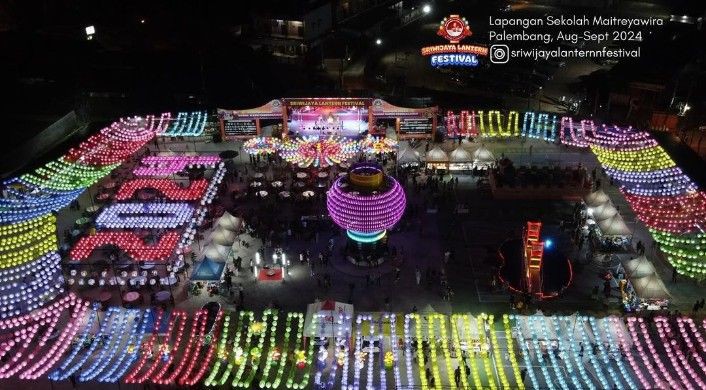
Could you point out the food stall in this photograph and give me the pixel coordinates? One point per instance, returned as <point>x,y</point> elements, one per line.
<point>483,158</point>
<point>460,160</point>
<point>436,158</point>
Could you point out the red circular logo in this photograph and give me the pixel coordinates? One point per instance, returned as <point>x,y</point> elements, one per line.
<point>454,29</point>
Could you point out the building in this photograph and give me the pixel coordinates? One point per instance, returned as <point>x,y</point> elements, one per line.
<point>288,30</point>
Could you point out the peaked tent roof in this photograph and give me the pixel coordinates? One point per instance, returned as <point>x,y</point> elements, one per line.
<point>614,226</point>
<point>638,267</point>
<point>223,236</point>
<point>596,198</point>
<point>408,156</point>
<point>603,211</point>
<point>650,287</point>
<point>460,155</point>
<point>482,154</point>
<point>208,269</point>
<point>217,252</point>
<point>437,155</point>
<point>229,222</point>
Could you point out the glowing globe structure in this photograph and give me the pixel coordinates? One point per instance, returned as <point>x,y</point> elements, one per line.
<point>366,202</point>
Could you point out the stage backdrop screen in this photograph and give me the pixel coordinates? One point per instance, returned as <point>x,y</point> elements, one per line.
<point>346,117</point>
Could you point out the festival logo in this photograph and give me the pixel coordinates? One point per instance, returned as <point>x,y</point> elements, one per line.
<point>454,28</point>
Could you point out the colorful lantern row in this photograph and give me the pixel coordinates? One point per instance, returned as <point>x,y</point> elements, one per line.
<point>377,145</point>
<point>168,188</point>
<point>673,214</point>
<point>147,215</point>
<point>491,124</point>
<point>169,165</point>
<point>128,345</point>
<point>318,152</point>
<point>186,124</point>
<point>540,126</point>
<point>127,242</point>
<point>261,145</point>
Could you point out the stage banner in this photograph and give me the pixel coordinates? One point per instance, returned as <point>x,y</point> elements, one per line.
<point>327,102</point>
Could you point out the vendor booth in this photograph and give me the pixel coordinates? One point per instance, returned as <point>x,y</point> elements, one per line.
<point>611,234</point>
<point>460,160</point>
<point>483,158</point>
<point>650,287</point>
<point>437,159</point>
<point>638,267</point>
<point>407,157</point>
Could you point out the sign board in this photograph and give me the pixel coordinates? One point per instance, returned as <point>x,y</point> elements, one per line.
<point>415,127</point>
<point>454,29</point>
<point>327,102</point>
<point>240,128</point>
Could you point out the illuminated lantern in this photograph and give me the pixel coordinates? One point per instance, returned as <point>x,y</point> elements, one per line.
<point>319,152</point>
<point>389,359</point>
<point>366,202</point>
<point>261,145</point>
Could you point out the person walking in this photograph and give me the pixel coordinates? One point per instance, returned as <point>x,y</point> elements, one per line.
<point>241,295</point>
<point>418,274</point>
<point>457,376</point>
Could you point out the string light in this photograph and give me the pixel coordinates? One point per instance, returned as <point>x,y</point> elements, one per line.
<point>28,240</point>
<point>144,215</point>
<point>127,242</point>
<point>186,124</point>
<point>495,128</point>
<point>539,126</point>
<point>169,165</point>
<point>168,188</point>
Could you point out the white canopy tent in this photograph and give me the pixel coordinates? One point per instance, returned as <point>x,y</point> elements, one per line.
<point>614,226</point>
<point>436,155</point>
<point>483,158</point>
<point>602,211</point>
<point>217,252</point>
<point>334,317</point>
<point>229,222</point>
<point>596,198</point>
<point>408,156</point>
<point>650,287</point>
<point>460,156</point>
<point>638,267</point>
<point>223,236</point>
